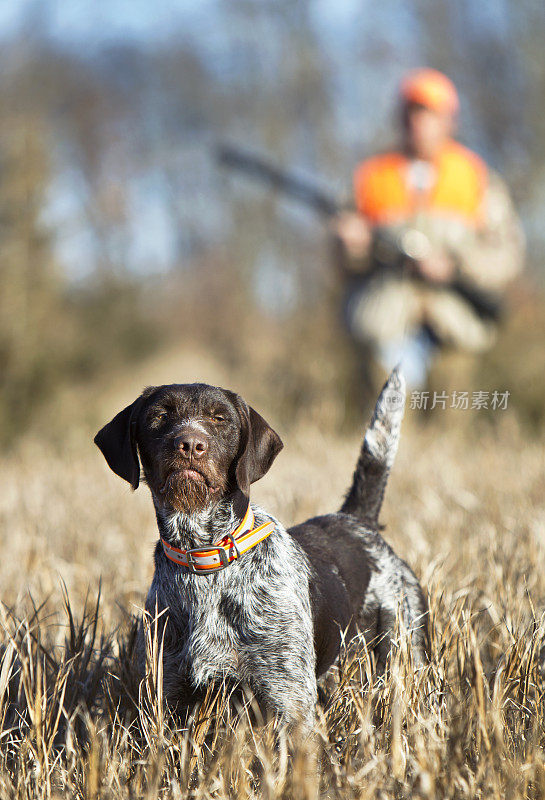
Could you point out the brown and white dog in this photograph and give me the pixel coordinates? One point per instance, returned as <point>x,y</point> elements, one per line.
<point>242,598</point>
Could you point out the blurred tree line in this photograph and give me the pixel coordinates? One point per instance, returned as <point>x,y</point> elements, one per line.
<point>117,230</point>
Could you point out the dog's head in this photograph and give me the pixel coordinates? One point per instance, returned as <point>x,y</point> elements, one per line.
<point>197,444</point>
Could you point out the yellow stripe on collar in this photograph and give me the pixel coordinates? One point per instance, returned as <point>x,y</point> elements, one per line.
<point>204,560</point>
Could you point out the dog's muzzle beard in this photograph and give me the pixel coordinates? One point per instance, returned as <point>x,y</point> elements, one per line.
<point>185,494</point>
<point>188,489</point>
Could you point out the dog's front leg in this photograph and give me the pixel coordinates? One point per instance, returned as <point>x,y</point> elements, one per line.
<point>290,697</point>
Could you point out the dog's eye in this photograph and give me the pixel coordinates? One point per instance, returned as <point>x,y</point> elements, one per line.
<point>216,417</point>
<point>158,417</point>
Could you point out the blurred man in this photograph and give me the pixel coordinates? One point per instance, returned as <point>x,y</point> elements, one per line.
<point>434,239</point>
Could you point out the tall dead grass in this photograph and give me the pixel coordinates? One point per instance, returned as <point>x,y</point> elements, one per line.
<point>464,508</point>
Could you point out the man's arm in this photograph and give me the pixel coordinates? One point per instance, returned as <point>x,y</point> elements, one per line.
<point>355,233</point>
<point>352,234</point>
<point>496,255</point>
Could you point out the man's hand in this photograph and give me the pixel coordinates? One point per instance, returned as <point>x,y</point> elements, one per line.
<point>354,232</point>
<point>436,268</point>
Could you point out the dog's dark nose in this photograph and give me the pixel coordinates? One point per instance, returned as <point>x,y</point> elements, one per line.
<point>192,445</point>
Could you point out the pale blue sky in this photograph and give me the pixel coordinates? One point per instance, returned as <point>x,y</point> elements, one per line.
<point>100,20</point>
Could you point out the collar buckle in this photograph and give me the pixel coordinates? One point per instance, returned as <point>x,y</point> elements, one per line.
<point>235,546</point>
<point>192,563</point>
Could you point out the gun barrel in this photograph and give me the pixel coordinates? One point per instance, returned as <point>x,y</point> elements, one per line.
<point>278,178</point>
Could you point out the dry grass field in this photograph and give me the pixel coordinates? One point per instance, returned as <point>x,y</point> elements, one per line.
<point>464,507</point>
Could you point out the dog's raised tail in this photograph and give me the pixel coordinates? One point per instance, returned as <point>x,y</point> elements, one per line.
<point>364,499</point>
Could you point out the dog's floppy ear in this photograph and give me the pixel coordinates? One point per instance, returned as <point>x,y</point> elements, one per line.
<point>117,442</point>
<point>259,445</point>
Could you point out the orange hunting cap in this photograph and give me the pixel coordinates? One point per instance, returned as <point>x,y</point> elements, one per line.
<point>430,88</point>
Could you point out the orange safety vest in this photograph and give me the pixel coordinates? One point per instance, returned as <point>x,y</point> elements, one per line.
<point>382,193</point>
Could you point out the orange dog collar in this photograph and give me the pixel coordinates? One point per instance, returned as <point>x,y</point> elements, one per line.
<point>204,560</point>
